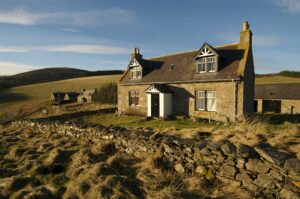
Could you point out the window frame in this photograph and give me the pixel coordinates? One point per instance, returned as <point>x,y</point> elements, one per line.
<point>136,73</point>
<point>134,98</point>
<point>209,98</point>
<point>206,99</point>
<point>204,62</point>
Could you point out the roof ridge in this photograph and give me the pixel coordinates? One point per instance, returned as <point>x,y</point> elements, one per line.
<point>167,55</point>
<point>190,51</point>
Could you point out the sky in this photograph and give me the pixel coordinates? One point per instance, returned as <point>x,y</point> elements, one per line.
<point>100,35</point>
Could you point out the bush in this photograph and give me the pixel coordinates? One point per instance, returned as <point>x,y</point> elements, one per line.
<point>107,94</point>
<point>290,73</point>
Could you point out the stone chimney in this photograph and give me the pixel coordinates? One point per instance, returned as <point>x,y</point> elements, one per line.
<point>136,54</point>
<point>246,36</point>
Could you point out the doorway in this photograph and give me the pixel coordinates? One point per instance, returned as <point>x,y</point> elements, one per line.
<point>154,105</point>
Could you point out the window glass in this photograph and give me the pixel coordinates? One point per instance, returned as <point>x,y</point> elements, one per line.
<point>136,73</point>
<point>206,100</point>
<point>206,64</point>
<point>211,100</point>
<point>134,98</point>
<point>200,100</point>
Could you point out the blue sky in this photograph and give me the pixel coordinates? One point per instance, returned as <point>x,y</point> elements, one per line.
<point>99,35</point>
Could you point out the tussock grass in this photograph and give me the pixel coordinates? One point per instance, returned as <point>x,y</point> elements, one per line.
<point>65,167</point>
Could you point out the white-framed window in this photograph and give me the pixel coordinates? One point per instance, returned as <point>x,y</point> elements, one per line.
<point>206,64</point>
<point>211,64</point>
<point>211,100</point>
<point>205,100</point>
<point>202,65</point>
<point>134,98</point>
<point>135,73</point>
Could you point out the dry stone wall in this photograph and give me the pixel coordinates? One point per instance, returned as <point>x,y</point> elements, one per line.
<point>261,169</point>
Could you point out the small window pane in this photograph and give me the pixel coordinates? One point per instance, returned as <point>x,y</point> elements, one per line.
<point>211,100</point>
<point>200,100</point>
<point>134,98</point>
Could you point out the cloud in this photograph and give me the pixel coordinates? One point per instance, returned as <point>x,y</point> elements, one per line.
<point>12,49</point>
<point>18,16</point>
<point>258,40</point>
<point>96,17</point>
<point>292,6</point>
<point>88,49</point>
<point>70,30</point>
<point>71,48</point>
<point>11,68</point>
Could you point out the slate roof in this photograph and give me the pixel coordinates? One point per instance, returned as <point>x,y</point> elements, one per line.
<point>277,91</point>
<point>73,94</point>
<point>58,94</point>
<point>181,67</point>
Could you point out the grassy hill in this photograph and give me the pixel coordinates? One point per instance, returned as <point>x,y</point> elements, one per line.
<point>49,75</point>
<point>276,79</point>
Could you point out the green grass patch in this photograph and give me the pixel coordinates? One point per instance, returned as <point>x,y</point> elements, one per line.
<point>134,122</point>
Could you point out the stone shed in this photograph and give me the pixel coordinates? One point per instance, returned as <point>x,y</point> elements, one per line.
<point>278,98</point>
<point>87,96</point>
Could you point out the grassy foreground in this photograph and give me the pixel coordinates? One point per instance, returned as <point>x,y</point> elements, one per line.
<point>284,136</point>
<point>52,166</point>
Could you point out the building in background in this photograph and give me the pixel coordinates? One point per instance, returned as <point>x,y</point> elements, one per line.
<point>57,98</point>
<point>87,96</point>
<point>277,98</point>
<point>71,97</point>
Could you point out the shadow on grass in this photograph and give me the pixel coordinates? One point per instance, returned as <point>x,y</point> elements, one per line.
<point>6,96</point>
<point>68,116</point>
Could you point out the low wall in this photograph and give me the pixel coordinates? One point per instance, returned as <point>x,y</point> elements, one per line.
<point>262,169</point>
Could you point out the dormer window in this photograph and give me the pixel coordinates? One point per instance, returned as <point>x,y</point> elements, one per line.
<point>136,73</point>
<point>207,59</point>
<point>206,64</point>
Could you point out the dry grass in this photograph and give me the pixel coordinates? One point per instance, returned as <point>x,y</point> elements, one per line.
<point>34,165</point>
<point>276,79</point>
<point>22,101</point>
<point>38,93</point>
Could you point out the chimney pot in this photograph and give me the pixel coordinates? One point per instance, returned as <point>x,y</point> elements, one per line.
<point>245,25</point>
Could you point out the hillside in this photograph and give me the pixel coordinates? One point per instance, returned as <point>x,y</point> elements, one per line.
<point>48,75</point>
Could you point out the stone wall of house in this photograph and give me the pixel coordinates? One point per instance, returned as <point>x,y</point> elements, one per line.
<point>286,106</point>
<point>263,170</point>
<point>184,99</point>
<point>123,100</point>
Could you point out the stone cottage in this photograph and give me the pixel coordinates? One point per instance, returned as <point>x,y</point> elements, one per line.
<point>71,96</point>
<point>211,82</point>
<point>57,98</point>
<point>277,98</point>
<point>87,96</point>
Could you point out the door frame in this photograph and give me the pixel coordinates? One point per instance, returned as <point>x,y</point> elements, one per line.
<point>155,113</point>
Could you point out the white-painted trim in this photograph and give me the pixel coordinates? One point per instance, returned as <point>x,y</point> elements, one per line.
<point>149,104</point>
<point>165,104</point>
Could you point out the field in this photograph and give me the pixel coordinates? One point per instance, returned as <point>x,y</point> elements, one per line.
<point>24,100</point>
<point>276,79</point>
